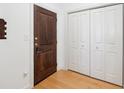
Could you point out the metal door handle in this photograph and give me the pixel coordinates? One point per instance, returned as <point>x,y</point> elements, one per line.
<point>36,44</point>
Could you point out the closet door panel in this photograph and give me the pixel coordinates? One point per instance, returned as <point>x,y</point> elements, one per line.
<point>97,43</point>
<point>74,39</point>
<point>74,30</point>
<point>74,60</point>
<point>113,44</point>
<point>84,42</point>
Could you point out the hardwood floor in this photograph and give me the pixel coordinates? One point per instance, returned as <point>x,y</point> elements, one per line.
<point>71,80</point>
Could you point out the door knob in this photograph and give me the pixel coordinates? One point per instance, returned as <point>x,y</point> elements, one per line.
<point>36,38</point>
<point>36,44</point>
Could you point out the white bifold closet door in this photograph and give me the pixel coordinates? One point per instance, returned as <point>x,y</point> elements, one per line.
<point>96,43</point>
<point>107,43</point>
<point>79,42</point>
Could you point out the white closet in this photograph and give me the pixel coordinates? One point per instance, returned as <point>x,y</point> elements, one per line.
<point>96,43</point>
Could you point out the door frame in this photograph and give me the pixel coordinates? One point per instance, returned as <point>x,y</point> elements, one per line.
<point>31,72</point>
<point>31,41</point>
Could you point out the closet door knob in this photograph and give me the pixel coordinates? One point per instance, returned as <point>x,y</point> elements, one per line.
<point>82,45</point>
<point>97,47</point>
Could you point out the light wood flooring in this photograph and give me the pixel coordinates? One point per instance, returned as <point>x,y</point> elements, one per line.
<point>71,80</point>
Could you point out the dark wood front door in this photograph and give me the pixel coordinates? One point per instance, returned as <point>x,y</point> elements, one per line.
<point>44,43</point>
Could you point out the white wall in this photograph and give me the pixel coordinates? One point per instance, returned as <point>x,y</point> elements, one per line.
<point>16,52</point>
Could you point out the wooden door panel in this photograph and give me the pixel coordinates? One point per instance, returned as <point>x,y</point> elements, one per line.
<point>50,35</point>
<point>42,28</point>
<point>46,60</point>
<point>44,43</point>
<point>46,26</point>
